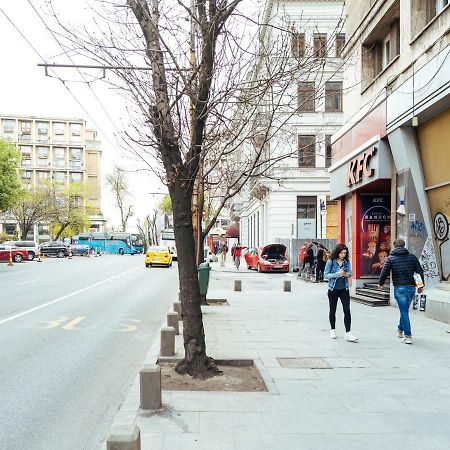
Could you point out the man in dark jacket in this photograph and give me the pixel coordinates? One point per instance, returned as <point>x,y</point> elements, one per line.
<point>403,265</point>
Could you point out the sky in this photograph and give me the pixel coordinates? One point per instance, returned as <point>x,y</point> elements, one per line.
<point>25,90</point>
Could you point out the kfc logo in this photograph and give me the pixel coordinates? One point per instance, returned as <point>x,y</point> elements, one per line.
<point>359,167</point>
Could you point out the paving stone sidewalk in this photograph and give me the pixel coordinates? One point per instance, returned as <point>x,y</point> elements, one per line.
<point>376,394</point>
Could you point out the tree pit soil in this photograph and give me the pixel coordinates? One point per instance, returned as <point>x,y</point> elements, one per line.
<point>235,378</point>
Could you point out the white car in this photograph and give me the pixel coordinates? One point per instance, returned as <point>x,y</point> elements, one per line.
<point>31,247</point>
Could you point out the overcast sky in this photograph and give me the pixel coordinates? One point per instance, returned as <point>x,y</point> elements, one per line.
<point>25,90</point>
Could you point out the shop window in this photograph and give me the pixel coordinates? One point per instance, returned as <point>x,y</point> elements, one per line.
<point>340,43</point>
<point>306,151</point>
<point>298,44</point>
<point>306,96</point>
<point>320,45</point>
<point>333,96</point>
<point>328,150</point>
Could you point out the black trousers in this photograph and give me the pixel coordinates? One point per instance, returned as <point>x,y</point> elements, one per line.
<point>333,296</point>
<point>320,266</point>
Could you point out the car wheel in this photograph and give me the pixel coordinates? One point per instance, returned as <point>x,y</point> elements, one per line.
<point>17,258</point>
<point>121,252</point>
<point>258,268</point>
<point>60,254</point>
<point>31,256</point>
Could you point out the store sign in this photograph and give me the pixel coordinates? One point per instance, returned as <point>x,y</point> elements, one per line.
<point>359,167</point>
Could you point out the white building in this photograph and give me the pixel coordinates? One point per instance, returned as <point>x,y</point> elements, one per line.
<point>292,199</point>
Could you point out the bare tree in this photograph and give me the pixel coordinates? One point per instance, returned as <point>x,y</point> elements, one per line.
<point>119,186</point>
<point>148,229</point>
<point>207,93</point>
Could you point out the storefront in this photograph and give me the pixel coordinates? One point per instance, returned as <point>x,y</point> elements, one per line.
<point>361,183</point>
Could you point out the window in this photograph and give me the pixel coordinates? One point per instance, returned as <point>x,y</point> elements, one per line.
<point>26,162</point>
<point>333,96</point>
<point>435,7</point>
<point>42,152</point>
<point>328,151</point>
<point>25,127</point>
<point>26,175</point>
<point>76,177</point>
<point>59,153</point>
<point>298,44</point>
<point>75,153</point>
<point>306,94</point>
<point>42,176</point>
<point>25,150</point>
<point>42,127</point>
<point>306,151</point>
<point>320,45</point>
<point>8,126</point>
<point>59,177</point>
<point>59,128</point>
<point>75,129</point>
<point>340,42</point>
<point>306,217</point>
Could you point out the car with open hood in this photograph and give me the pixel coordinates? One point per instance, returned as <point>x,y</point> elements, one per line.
<point>270,258</point>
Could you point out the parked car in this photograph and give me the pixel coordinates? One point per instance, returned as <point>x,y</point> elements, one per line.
<point>158,256</point>
<point>270,258</point>
<point>31,247</point>
<point>17,254</point>
<point>54,248</point>
<point>80,249</point>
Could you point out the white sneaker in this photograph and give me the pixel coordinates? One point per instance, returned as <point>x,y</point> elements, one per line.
<point>350,338</point>
<point>407,340</point>
<point>400,334</point>
<point>333,334</point>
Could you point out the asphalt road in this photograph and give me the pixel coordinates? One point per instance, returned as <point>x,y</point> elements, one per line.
<point>73,334</point>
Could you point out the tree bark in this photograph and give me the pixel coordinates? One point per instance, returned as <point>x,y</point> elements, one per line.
<point>195,363</point>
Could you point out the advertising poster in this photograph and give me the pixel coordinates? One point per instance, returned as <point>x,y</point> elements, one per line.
<point>375,232</point>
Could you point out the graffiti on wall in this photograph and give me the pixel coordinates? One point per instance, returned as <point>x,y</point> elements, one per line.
<point>417,228</point>
<point>441,231</point>
<point>428,262</point>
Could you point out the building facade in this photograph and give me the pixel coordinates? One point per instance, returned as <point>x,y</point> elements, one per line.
<point>292,200</point>
<point>391,165</point>
<point>60,150</point>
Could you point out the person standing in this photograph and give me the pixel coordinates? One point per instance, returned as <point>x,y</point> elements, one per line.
<point>320,266</point>
<point>338,271</point>
<point>237,255</point>
<point>402,265</point>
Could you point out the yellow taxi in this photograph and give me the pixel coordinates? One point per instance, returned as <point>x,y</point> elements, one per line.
<point>158,256</point>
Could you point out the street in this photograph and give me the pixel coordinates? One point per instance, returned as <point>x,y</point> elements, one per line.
<point>73,334</point>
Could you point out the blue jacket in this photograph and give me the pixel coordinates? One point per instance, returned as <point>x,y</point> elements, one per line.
<point>331,270</point>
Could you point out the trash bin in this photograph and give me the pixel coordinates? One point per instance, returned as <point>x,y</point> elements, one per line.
<point>203,277</point>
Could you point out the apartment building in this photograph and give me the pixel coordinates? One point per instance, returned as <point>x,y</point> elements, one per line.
<point>391,165</point>
<point>60,150</point>
<point>291,200</point>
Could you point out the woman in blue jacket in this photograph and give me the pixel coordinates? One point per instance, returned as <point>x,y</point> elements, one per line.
<point>337,271</point>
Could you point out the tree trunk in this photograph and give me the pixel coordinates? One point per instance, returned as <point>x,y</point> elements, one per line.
<point>195,362</point>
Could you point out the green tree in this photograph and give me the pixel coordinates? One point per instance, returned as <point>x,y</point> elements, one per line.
<point>10,185</point>
<point>165,205</point>
<point>69,214</point>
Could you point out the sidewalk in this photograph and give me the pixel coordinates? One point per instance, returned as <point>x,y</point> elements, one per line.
<point>377,394</point>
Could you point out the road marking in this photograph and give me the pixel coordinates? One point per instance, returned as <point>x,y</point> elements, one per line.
<point>15,273</point>
<point>129,327</point>
<point>55,323</point>
<point>60,299</point>
<point>31,281</point>
<point>71,324</point>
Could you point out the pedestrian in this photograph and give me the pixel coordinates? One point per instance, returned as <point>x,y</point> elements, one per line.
<point>309,256</point>
<point>223,251</point>
<point>237,255</point>
<point>338,271</point>
<point>320,266</point>
<point>216,248</point>
<point>402,265</point>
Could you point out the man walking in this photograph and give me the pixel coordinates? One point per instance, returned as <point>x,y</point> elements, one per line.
<point>320,265</point>
<point>403,265</point>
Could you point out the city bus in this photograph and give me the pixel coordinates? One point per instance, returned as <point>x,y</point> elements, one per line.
<point>120,243</point>
<point>168,239</point>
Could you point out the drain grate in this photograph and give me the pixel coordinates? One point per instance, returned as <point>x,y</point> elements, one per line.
<point>303,363</point>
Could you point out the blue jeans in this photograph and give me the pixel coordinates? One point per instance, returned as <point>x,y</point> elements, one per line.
<point>404,296</point>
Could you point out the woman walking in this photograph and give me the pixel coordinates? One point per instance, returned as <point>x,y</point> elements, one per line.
<point>337,271</point>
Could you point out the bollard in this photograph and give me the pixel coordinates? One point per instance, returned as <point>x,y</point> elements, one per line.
<point>39,258</point>
<point>150,386</point>
<point>177,308</point>
<point>167,341</point>
<point>287,286</point>
<point>124,438</point>
<point>10,262</point>
<point>238,285</point>
<point>172,321</point>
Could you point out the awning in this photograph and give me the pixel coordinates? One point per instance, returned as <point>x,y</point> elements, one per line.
<point>233,230</point>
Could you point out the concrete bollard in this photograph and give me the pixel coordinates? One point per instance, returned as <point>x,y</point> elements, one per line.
<point>177,309</point>
<point>172,321</point>
<point>150,386</point>
<point>238,285</point>
<point>124,438</point>
<point>167,341</point>
<point>287,286</point>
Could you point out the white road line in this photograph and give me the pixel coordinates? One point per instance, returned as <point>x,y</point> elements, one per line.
<point>30,281</point>
<point>15,273</point>
<point>60,299</point>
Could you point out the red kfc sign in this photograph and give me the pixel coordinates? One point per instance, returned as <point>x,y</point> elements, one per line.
<point>359,167</point>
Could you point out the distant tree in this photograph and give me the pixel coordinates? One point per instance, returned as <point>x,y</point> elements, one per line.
<point>10,186</point>
<point>69,213</point>
<point>119,186</point>
<point>148,229</point>
<point>165,205</point>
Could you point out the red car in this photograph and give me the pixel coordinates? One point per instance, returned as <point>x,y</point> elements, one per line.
<point>17,253</point>
<point>270,258</point>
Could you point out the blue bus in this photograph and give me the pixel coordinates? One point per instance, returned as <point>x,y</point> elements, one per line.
<point>114,243</point>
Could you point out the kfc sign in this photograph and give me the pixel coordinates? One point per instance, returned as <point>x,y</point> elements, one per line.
<point>359,167</point>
